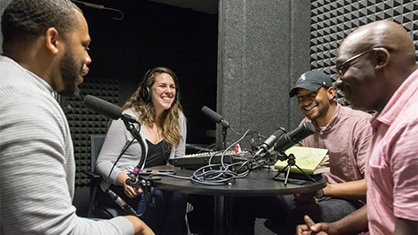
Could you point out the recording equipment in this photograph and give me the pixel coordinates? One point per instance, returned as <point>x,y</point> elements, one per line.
<point>136,181</point>
<point>125,206</point>
<point>106,108</point>
<point>269,142</point>
<point>215,116</point>
<point>115,112</point>
<point>288,140</point>
<point>198,160</point>
<point>145,91</point>
<point>196,147</point>
<point>291,138</point>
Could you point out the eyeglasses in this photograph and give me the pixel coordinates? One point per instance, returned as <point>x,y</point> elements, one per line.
<point>340,68</point>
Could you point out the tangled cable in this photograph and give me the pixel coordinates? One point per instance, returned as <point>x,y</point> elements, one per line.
<point>223,173</point>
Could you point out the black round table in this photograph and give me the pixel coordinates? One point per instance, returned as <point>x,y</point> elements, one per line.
<point>258,183</point>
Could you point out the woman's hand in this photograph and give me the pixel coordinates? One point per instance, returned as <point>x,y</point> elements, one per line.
<point>130,191</point>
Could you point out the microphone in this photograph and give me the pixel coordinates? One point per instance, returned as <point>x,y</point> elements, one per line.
<point>125,206</point>
<point>291,138</point>
<point>215,116</point>
<point>106,108</point>
<point>269,142</point>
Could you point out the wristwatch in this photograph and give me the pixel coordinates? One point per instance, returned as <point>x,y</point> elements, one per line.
<point>319,193</point>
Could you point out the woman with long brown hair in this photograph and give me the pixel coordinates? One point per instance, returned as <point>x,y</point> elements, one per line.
<point>156,106</point>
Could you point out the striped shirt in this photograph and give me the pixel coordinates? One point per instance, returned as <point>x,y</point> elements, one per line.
<point>37,164</point>
<point>347,137</point>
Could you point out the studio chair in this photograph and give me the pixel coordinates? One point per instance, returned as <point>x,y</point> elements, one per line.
<point>96,209</point>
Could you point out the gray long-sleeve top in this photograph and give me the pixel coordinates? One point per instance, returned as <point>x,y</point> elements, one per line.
<point>117,138</point>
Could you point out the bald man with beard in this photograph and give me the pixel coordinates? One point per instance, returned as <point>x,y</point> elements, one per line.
<point>377,72</point>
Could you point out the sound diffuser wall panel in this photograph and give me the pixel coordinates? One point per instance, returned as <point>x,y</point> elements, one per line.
<point>333,20</point>
<point>84,122</point>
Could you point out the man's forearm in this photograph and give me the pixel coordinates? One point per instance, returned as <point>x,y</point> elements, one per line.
<point>351,190</point>
<point>353,223</point>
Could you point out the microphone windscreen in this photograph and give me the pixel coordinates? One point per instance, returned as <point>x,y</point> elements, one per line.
<point>102,106</point>
<point>291,138</point>
<point>305,130</point>
<point>212,114</point>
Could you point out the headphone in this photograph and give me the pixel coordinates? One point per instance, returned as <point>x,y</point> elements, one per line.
<point>145,92</point>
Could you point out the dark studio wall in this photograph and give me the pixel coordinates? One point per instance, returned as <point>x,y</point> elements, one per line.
<point>332,21</point>
<point>153,34</point>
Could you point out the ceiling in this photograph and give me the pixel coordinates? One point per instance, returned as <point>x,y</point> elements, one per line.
<point>207,6</point>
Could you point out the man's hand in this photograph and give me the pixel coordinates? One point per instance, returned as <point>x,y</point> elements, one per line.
<point>311,228</point>
<point>140,228</point>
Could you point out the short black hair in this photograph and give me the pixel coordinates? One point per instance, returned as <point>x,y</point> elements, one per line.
<point>25,20</point>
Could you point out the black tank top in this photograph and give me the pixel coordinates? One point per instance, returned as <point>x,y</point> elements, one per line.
<point>158,154</point>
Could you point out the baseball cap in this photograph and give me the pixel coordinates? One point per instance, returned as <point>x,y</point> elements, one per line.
<point>311,81</point>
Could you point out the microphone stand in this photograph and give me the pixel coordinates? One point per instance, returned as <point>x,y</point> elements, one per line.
<point>291,161</point>
<point>135,180</point>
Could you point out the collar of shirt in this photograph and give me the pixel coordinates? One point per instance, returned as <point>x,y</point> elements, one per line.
<point>397,102</point>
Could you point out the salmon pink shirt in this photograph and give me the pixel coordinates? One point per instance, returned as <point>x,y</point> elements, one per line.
<point>392,169</point>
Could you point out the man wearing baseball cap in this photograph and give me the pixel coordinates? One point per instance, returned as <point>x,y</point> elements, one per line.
<point>346,134</point>
<point>312,81</point>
